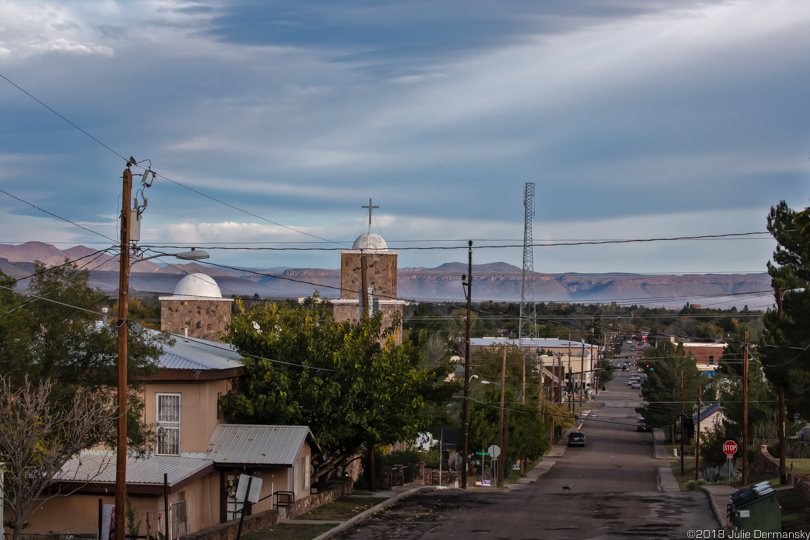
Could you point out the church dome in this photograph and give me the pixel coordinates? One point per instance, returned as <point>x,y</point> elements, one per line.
<point>370,241</point>
<point>200,285</point>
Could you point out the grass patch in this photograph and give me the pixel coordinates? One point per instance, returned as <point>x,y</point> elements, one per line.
<point>688,472</point>
<point>342,509</point>
<point>289,532</point>
<point>756,478</point>
<point>798,465</point>
<point>795,511</point>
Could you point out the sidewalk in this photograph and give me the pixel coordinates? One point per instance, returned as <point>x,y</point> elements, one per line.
<point>717,495</point>
<point>387,498</point>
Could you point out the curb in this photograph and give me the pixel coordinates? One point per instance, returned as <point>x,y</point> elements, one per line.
<point>365,514</point>
<point>721,518</point>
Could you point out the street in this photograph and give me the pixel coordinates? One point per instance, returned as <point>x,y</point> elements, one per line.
<point>606,489</point>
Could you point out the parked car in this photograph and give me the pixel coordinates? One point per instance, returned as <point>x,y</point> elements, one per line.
<point>576,438</point>
<point>643,426</point>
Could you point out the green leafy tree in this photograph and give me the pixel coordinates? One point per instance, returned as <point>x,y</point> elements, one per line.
<point>662,388</point>
<point>762,413</point>
<point>350,383</point>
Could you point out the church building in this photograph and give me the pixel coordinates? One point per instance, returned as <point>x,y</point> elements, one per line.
<point>381,279</point>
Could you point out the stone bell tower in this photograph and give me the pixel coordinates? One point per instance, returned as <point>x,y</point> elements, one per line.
<point>381,278</point>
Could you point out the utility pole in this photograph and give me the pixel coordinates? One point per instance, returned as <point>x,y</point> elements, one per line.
<point>468,292</point>
<point>364,315</point>
<point>582,374</point>
<point>542,399</point>
<point>363,287</point>
<point>364,311</point>
<point>594,382</point>
<point>745,410</point>
<point>570,375</point>
<point>123,313</point>
<point>682,433</point>
<point>501,432</point>
<point>782,436</point>
<point>697,435</point>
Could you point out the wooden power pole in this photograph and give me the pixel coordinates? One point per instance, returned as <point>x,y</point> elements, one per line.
<point>682,433</point>
<point>745,411</point>
<point>123,313</point>
<point>697,435</point>
<point>466,434</point>
<point>501,430</point>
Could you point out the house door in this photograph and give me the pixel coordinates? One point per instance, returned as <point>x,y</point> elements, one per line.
<point>233,508</point>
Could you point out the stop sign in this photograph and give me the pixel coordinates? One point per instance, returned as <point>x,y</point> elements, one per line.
<point>730,448</point>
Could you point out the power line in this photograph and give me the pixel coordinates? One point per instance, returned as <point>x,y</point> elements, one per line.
<point>54,215</point>
<point>126,160</point>
<point>478,246</point>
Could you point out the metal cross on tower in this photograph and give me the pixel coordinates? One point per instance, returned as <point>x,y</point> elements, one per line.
<point>527,333</point>
<point>370,208</point>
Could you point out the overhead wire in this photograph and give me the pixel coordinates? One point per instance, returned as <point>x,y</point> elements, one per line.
<point>54,215</point>
<point>127,160</point>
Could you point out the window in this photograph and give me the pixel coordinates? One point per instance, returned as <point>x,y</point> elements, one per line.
<point>168,424</point>
<point>711,359</point>
<point>304,473</point>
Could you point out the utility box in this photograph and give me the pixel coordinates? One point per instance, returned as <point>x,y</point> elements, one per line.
<point>755,509</point>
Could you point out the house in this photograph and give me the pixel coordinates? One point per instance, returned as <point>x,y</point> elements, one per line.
<point>198,456</point>
<point>710,418</point>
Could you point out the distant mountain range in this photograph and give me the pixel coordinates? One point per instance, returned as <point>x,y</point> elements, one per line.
<point>493,281</point>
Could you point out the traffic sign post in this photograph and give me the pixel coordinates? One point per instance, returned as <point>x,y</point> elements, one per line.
<point>730,448</point>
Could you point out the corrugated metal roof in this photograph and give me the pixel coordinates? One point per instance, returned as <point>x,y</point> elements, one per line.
<point>198,355</point>
<point>257,445</point>
<point>98,466</point>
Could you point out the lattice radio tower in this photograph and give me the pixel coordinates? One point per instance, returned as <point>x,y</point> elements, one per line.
<point>527,333</point>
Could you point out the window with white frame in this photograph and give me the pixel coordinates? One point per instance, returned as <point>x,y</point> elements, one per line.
<point>168,424</point>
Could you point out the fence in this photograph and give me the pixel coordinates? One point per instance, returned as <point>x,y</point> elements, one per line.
<point>179,517</point>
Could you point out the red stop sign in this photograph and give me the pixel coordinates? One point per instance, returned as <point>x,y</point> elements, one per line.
<point>730,448</point>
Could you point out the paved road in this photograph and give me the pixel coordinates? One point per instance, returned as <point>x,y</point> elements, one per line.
<point>613,494</point>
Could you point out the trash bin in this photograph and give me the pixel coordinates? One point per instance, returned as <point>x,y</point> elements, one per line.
<point>755,509</point>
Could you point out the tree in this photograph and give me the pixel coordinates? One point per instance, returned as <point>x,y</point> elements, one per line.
<point>662,388</point>
<point>785,340</point>
<point>350,383</point>
<point>38,436</point>
<point>55,333</point>
<point>762,413</point>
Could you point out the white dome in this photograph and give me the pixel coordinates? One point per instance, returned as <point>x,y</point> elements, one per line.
<point>370,241</point>
<point>198,285</point>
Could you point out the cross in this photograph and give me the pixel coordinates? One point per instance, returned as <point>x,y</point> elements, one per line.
<point>370,206</point>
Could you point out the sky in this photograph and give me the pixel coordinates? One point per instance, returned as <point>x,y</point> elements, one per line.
<point>271,123</point>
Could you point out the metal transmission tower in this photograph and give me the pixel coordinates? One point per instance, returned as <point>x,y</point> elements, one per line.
<point>527,333</point>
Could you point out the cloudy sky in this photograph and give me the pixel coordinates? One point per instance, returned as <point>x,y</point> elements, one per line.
<point>270,123</point>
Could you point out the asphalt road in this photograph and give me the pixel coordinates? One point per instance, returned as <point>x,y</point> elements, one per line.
<point>612,493</point>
